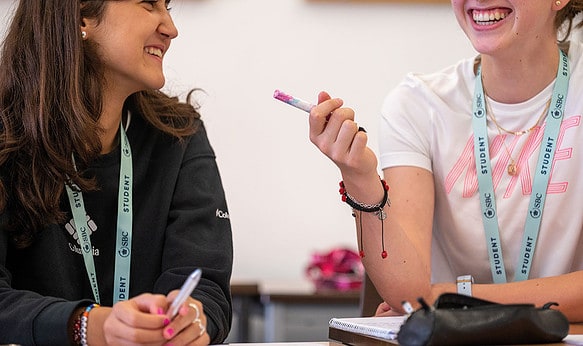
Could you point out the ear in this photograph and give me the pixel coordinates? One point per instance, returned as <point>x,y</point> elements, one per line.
<point>560,4</point>
<point>87,27</point>
<point>83,28</point>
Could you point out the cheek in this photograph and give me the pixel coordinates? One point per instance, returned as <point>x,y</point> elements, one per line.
<point>460,14</point>
<point>457,5</point>
<point>120,50</point>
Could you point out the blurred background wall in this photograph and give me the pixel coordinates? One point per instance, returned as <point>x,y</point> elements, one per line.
<point>282,192</point>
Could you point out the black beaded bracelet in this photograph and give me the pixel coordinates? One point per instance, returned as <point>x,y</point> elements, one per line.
<point>377,209</point>
<point>367,208</point>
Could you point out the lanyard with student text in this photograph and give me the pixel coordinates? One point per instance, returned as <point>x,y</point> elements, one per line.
<point>123,246</point>
<point>540,183</point>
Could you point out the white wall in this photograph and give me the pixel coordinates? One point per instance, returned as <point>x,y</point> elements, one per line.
<point>282,192</point>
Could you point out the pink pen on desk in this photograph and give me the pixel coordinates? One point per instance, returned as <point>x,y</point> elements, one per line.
<point>298,103</point>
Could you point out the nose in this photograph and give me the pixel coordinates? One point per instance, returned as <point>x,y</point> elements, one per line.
<point>167,27</point>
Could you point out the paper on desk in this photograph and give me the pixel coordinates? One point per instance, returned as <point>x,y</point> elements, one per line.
<point>573,339</point>
<point>385,327</point>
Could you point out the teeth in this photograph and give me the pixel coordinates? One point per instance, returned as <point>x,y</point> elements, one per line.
<point>154,51</point>
<point>487,17</point>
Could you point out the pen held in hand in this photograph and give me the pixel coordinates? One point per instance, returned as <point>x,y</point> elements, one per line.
<point>293,101</point>
<point>298,103</point>
<point>185,292</point>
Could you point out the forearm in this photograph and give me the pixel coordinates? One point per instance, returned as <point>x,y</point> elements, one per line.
<point>402,275</point>
<point>576,328</point>
<point>26,316</point>
<point>405,273</point>
<point>564,290</point>
<point>95,332</point>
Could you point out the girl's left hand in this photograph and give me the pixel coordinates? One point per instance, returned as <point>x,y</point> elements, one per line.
<point>385,309</point>
<point>189,326</point>
<point>137,321</point>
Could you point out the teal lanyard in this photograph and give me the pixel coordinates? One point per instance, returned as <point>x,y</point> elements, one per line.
<point>540,183</point>
<point>123,246</point>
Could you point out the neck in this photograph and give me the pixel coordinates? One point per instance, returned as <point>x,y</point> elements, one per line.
<point>519,78</point>
<point>109,122</point>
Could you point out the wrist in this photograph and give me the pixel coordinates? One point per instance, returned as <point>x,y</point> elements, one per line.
<point>464,284</point>
<point>364,188</point>
<point>377,209</point>
<point>364,207</point>
<point>95,330</point>
<point>85,323</point>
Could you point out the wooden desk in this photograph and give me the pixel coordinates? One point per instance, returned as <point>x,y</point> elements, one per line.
<point>245,296</point>
<point>296,311</point>
<point>318,343</point>
<point>289,310</point>
<point>303,292</point>
<point>349,338</point>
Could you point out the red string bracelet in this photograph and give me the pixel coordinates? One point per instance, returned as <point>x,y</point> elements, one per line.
<point>377,209</point>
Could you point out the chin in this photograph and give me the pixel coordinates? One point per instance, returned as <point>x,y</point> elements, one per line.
<point>486,46</point>
<point>156,85</point>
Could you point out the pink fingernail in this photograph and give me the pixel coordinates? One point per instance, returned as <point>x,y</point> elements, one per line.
<point>170,332</point>
<point>160,311</point>
<point>166,322</point>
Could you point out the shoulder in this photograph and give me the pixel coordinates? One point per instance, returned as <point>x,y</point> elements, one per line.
<point>198,142</point>
<point>448,77</point>
<point>576,60</point>
<point>150,140</point>
<point>575,52</point>
<point>449,86</point>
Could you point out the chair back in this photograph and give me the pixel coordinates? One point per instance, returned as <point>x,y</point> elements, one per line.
<point>369,297</point>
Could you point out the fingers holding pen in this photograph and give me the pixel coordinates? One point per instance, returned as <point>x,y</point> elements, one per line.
<point>189,326</point>
<point>135,321</point>
<point>321,114</point>
<point>334,131</point>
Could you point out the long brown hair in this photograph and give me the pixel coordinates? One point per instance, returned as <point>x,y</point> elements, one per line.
<point>565,19</point>
<point>50,102</point>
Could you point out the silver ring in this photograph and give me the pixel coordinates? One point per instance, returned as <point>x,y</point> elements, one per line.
<point>195,307</point>
<point>200,325</point>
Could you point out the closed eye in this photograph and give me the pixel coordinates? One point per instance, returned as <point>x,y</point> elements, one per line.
<point>152,4</point>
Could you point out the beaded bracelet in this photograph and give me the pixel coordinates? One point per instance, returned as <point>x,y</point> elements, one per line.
<point>77,329</point>
<point>80,334</point>
<point>377,209</point>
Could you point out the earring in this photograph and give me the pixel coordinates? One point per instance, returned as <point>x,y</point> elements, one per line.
<point>558,3</point>
<point>84,34</point>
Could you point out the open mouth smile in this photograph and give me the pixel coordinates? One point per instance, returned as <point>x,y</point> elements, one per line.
<point>489,17</point>
<point>154,51</point>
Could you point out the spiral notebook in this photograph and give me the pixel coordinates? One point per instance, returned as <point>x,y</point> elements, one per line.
<point>385,328</point>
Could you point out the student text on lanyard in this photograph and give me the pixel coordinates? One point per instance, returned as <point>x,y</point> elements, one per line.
<point>123,246</point>
<point>540,183</point>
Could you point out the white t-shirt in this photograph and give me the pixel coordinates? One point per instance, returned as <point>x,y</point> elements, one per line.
<point>427,122</point>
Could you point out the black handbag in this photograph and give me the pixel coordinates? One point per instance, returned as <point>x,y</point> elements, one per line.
<point>457,319</point>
